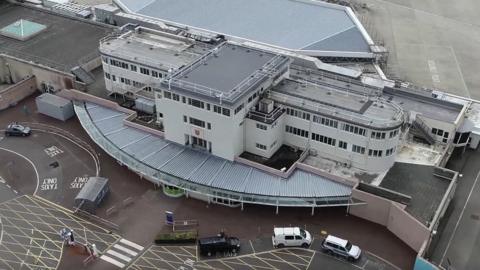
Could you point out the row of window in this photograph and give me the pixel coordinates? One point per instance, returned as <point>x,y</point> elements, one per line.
<point>126,81</point>
<point>341,144</point>
<point>325,121</point>
<point>196,103</point>
<point>377,135</point>
<point>390,151</point>
<point>261,146</point>
<point>354,129</point>
<point>299,114</point>
<point>143,70</point>
<point>264,147</point>
<point>323,139</point>
<point>440,132</point>
<point>334,123</point>
<point>296,131</point>
<point>262,127</point>
<point>197,122</point>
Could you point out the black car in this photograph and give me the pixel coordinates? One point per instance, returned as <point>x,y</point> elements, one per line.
<point>17,130</point>
<point>221,243</point>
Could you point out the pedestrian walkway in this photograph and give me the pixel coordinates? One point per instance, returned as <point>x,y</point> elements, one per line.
<point>122,253</point>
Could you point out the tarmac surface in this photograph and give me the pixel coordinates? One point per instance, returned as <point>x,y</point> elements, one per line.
<point>459,234</point>
<point>431,43</point>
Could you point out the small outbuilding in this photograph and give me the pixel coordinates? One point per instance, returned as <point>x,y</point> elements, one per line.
<point>54,106</point>
<point>92,194</point>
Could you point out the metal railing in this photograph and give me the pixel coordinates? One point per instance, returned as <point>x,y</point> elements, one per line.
<point>420,125</point>
<point>267,118</point>
<point>374,123</point>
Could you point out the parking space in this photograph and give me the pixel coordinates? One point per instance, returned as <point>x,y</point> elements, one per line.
<point>185,257</point>
<point>29,237</point>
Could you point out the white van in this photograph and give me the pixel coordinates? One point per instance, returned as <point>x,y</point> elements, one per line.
<point>338,246</point>
<point>291,237</point>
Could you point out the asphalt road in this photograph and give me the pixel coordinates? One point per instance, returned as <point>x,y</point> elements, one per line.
<point>459,239</point>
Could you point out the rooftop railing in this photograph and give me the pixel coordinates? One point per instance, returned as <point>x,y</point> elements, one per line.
<point>374,123</point>
<point>266,118</point>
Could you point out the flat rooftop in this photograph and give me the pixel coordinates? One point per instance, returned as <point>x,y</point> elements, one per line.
<point>62,45</point>
<point>227,72</point>
<point>337,103</point>
<point>430,107</point>
<point>153,48</point>
<point>419,182</point>
<point>313,27</point>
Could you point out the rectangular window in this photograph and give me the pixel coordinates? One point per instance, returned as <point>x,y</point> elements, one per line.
<point>261,146</point>
<point>197,122</point>
<point>185,118</point>
<point>154,74</point>
<point>128,82</point>
<point>217,109</point>
<point>176,97</point>
<point>124,65</point>
<point>296,131</point>
<point>114,78</point>
<point>209,126</point>
<point>196,103</point>
<point>239,108</point>
<point>133,68</point>
<point>208,106</point>
<point>325,121</point>
<point>107,75</point>
<point>260,126</point>
<point>226,111</point>
<point>184,99</point>
<point>354,129</point>
<point>358,149</point>
<point>375,153</point>
<point>342,144</point>
<point>323,139</point>
<point>298,114</point>
<point>145,71</point>
<point>167,94</point>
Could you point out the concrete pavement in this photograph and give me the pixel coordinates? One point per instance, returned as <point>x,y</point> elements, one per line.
<point>431,43</point>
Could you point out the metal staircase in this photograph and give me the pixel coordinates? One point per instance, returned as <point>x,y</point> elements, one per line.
<point>420,129</point>
<point>83,75</point>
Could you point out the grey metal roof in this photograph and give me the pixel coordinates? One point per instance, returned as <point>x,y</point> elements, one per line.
<point>92,188</point>
<point>203,168</point>
<point>288,24</point>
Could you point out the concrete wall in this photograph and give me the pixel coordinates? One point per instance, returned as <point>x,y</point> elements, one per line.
<point>17,70</point>
<point>407,228</point>
<point>393,216</point>
<point>17,92</point>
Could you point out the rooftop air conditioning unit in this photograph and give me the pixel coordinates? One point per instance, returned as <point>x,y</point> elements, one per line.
<point>265,105</point>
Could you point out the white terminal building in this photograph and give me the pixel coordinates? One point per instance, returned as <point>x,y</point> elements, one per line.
<point>237,101</point>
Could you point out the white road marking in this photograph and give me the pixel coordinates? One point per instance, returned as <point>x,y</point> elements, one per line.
<point>112,261</point>
<point>459,218</point>
<point>126,250</point>
<point>130,243</point>
<point>118,255</point>
<point>29,161</point>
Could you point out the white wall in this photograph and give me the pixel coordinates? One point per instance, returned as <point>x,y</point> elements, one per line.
<point>254,135</point>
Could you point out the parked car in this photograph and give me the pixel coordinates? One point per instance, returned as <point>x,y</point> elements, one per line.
<point>291,237</point>
<point>338,246</point>
<point>15,129</point>
<point>221,243</point>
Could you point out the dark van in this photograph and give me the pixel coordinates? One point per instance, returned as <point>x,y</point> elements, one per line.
<point>211,245</point>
